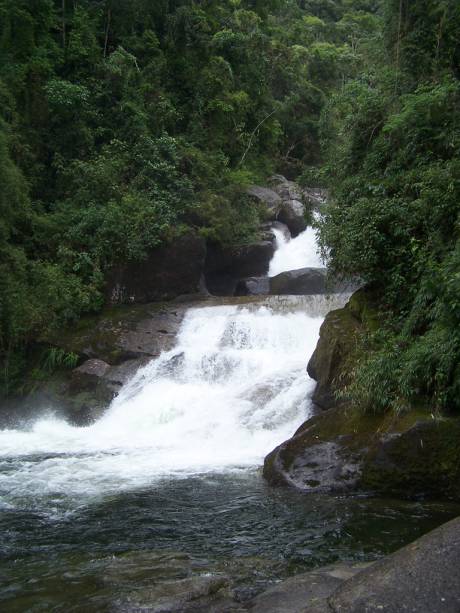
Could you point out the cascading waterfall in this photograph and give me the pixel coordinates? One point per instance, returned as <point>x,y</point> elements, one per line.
<point>233,388</point>
<point>295,253</point>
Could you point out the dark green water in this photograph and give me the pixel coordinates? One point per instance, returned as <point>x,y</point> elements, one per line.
<point>107,554</point>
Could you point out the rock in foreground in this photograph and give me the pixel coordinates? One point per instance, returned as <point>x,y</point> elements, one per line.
<point>423,577</point>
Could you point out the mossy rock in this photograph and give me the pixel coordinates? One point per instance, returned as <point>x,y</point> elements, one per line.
<point>343,449</point>
<point>339,346</point>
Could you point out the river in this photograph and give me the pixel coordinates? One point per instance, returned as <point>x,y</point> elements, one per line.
<point>167,484</point>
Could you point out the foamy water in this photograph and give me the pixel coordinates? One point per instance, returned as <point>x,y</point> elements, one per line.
<point>233,388</point>
<point>295,253</point>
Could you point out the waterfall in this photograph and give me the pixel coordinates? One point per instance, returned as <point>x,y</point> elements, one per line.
<point>233,388</point>
<point>295,253</point>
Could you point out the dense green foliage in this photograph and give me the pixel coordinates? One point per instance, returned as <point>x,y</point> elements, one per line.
<point>122,121</point>
<point>393,142</point>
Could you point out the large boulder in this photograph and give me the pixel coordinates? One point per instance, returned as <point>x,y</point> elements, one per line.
<point>226,266</point>
<point>170,271</point>
<point>337,346</point>
<point>342,450</point>
<point>302,282</point>
<point>268,198</point>
<point>423,577</point>
<point>293,210</point>
<point>293,214</point>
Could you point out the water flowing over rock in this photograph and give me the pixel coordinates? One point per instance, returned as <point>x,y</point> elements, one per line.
<point>241,369</point>
<point>411,454</point>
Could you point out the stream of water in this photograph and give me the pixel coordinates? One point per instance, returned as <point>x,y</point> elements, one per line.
<point>167,483</point>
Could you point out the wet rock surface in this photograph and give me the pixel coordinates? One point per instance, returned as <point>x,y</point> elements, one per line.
<point>306,592</point>
<point>422,577</point>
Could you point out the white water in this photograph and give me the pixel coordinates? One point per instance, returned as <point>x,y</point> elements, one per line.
<point>234,387</point>
<point>295,253</point>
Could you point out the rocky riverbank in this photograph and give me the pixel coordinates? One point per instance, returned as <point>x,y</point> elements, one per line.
<point>414,453</point>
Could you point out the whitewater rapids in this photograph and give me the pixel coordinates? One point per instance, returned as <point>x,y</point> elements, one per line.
<point>233,388</point>
<point>294,253</point>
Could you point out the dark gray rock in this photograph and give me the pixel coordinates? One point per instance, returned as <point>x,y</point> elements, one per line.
<point>173,270</point>
<point>268,198</point>
<point>226,266</point>
<point>287,190</point>
<point>293,206</point>
<point>423,577</point>
<point>305,281</point>
<point>306,592</point>
<point>293,214</point>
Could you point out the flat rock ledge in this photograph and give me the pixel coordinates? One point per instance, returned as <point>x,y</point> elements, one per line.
<point>423,577</point>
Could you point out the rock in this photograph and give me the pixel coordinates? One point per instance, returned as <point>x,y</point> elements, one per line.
<point>254,286</point>
<point>423,460</point>
<point>287,190</point>
<point>336,345</point>
<point>315,197</point>
<point>336,348</point>
<point>91,370</point>
<point>124,333</point>
<point>316,459</point>
<point>306,592</point>
<point>268,198</point>
<point>292,211</point>
<point>343,450</point>
<point>112,346</point>
<point>293,214</point>
<point>205,593</point>
<point>226,266</point>
<point>172,270</point>
<point>302,282</point>
<point>423,577</point>
<point>407,455</point>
